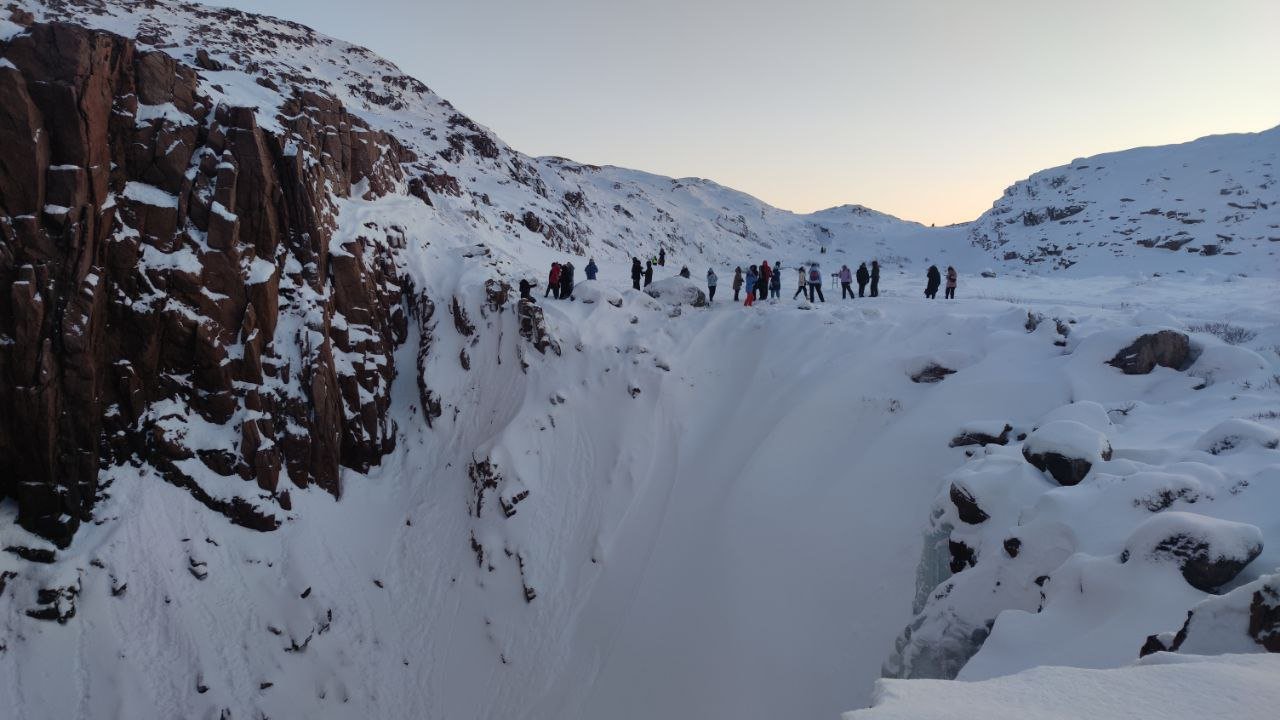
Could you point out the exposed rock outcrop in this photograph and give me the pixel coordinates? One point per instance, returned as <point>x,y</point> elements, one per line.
<point>171,264</point>
<point>1166,348</point>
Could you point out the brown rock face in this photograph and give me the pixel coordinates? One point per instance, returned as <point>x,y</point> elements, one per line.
<point>1166,348</point>
<point>166,264</point>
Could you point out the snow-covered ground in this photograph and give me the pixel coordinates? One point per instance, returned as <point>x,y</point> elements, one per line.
<point>681,512</point>
<point>739,539</point>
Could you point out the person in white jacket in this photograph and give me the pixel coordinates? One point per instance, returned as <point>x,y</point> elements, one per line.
<point>711,285</point>
<point>846,282</point>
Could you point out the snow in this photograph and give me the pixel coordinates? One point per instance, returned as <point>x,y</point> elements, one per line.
<point>1070,439</point>
<point>148,195</point>
<point>1159,688</point>
<point>731,512</point>
<point>1223,538</point>
<point>166,112</point>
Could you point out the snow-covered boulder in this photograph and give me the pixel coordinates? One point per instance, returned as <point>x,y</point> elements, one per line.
<point>594,291</point>
<point>1166,348</point>
<point>1085,412</point>
<point>679,291</point>
<point>982,432</point>
<point>1210,552</point>
<point>1066,449</point>
<point>1236,434</point>
<point>1244,620</point>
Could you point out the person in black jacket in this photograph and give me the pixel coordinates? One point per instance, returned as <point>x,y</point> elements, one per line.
<point>863,277</point>
<point>648,272</point>
<point>662,257</point>
<point>875,278</point>
<point>566,281</point>
<point>526,290</point>
<point>636,272</point>
<point>934,279</point>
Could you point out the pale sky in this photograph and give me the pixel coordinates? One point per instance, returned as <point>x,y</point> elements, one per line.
<point>926,109</point>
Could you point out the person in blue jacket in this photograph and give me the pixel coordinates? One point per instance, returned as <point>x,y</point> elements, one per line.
<point>592,269</point>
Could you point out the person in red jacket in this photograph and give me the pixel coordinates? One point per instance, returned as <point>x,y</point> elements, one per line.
<point>553,281</point>
<point>765,274</point>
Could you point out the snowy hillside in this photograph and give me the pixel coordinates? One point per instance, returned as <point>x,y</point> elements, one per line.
<point>1212,205</point>
<point>283,442</point>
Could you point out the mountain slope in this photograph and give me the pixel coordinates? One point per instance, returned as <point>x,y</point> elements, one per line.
<point>1155,209</point>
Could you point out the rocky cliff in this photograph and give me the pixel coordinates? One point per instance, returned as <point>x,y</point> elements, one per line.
<point>176,295</point>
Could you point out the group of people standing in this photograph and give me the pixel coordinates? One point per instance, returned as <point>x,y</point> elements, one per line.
<point>933,280</point>
<point>760,282</point>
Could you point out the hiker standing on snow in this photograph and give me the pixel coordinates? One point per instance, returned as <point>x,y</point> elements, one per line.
<point>875,278</point>
<point>765,272</point>
<point>846,279</point>
<point>566,281</point>
<point>553,281</point>
<point>592,269</point>
<point>863,277</point>
<point>815,283</point>
<point>951,283</point>
<point>803,286</point>
<point>662,257</point>
<point>753,281</point>
<point>526,290</point>
<point>648,272</point>
<point>934,279</point>
<point>775,281</point>
<point>636,272</point>
<point>711,285</point>
<point>737,282</point>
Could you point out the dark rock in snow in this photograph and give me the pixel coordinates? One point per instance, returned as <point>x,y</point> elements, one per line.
<point>1166,348</point>
<point>967,506</point>
<point>973,437</point>
<point>931,373</point>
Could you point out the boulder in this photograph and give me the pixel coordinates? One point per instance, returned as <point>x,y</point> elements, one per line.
<point>982,433</point>
<point>678,291</point>
<point>1066,449</point>
<point>1209,552</point>
<point>1166,348</point>
<point>967,506</point>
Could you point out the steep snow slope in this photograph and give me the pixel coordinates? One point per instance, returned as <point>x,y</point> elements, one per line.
<point>1208,205</point>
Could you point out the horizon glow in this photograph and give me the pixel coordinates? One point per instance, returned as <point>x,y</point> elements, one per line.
<point>924,109</point>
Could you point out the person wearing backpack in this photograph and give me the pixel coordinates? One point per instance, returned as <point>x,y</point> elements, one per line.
<point>553,281</point>
<point>815,283</point>
<point>846,280</point>
<point>951,283</point>
<point>737,282</point>
<point>863,278</point>
<point>711,285</point>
